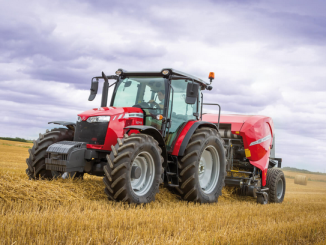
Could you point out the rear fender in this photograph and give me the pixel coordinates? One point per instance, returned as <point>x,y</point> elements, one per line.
<point>149,130</point>
<point>186,133</point>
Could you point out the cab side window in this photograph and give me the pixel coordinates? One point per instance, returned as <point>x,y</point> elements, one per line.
<point>180,111</point>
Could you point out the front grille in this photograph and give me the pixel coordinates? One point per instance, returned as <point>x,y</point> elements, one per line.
<point>91,133</point>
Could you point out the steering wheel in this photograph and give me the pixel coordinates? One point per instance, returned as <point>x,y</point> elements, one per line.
<point>142,105</point>
<point>147,105</point>
<point>154,105</point>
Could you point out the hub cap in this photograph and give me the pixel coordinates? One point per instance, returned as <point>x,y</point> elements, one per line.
<point>145,163</point>
<point>209,169</point>
<point>279,190</point>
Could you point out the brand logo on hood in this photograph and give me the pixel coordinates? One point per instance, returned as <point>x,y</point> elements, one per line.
<point>84,118</point>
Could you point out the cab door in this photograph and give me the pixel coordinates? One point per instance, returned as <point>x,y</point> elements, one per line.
<point>179,111</point>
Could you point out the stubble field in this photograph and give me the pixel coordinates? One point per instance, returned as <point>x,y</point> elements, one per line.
<point>77,212</point>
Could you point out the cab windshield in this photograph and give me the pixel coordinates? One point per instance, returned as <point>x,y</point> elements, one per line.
<point>143,92</point>
<point>147,93</point>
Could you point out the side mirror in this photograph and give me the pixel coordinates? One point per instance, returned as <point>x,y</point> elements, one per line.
<point>94,88</point>
<point>192,93</point>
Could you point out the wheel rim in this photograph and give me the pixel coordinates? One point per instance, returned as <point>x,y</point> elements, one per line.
<point>146,164</point>
<point>279,189</point>
<point>209,169</point>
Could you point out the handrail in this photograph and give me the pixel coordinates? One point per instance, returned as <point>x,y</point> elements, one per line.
<point>219,113</point>
<point>169,120</point>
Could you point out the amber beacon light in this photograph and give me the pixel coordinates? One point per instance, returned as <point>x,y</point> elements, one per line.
<point>211,76</point>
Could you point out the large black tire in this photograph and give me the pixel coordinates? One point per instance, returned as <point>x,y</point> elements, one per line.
<point>36,161</point>
<point>276,184</point>
<point>190,188</point>
<point>117,179</point>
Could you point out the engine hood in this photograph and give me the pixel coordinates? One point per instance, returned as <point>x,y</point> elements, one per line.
<point>108,111</point>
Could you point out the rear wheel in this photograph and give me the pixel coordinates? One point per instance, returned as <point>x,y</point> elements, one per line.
<point>202,169</point>
<point>36,161</point>
<point>134,169</point>
<point>276,184</point>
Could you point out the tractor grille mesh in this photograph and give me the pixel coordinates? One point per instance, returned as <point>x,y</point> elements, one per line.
<point>91,133</point>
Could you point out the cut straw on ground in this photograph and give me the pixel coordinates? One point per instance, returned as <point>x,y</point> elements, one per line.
<point>78,212</point>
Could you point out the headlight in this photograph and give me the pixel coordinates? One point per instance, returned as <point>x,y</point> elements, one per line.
<point>98,119</point>
<point>79,119</point>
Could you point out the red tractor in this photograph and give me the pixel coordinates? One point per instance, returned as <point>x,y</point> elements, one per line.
<point>154,132</point>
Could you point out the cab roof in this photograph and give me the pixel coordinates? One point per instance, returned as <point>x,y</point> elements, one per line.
<point>174,72</point>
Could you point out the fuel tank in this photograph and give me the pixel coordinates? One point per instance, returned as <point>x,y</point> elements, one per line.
<point>101,134</point>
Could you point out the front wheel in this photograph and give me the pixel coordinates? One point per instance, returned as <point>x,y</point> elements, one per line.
<point>36,160</point>
<point>134,169</point>
<point>202,169</point>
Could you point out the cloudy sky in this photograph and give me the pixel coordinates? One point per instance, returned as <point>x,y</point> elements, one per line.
<point>268,57</point>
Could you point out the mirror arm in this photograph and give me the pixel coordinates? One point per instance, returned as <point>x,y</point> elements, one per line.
<point>105,90</point>
<point>113,84</point>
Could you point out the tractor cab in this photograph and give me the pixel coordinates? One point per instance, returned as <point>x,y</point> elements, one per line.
<point>168,99</point>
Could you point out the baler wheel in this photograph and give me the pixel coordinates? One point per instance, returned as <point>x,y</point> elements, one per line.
<point>276,184</point>
<point>202,169</point>
<point>36,161</point>
<point>134,169</point>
